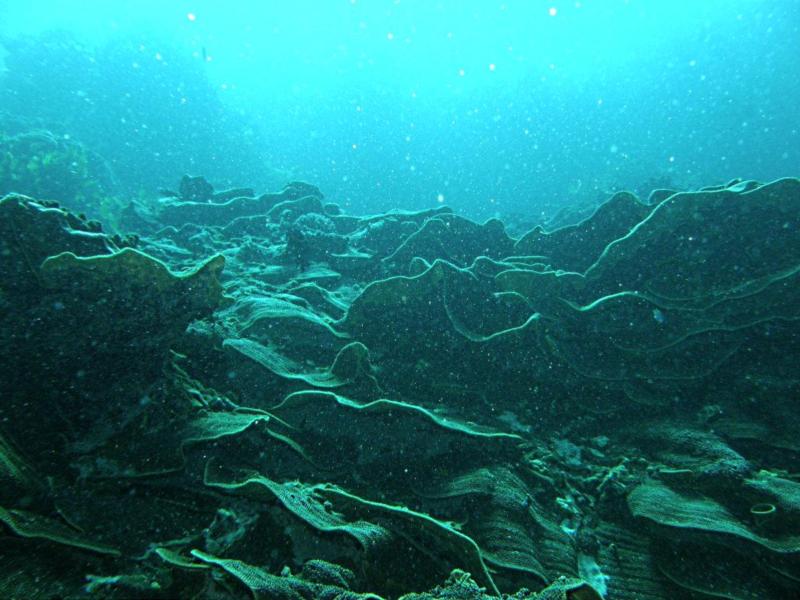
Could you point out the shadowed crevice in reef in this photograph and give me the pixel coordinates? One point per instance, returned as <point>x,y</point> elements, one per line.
<point>261,396</point>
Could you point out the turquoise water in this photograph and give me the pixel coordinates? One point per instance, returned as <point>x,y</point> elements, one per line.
<point>376,300</point>
<point>495,107</point>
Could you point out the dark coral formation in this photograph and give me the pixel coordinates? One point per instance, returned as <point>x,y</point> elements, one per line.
<point>267,397</point>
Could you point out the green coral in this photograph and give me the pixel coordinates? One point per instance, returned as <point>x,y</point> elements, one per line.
<point>43,165</point>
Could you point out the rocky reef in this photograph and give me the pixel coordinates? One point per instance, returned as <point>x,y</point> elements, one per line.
<point>262,396</point>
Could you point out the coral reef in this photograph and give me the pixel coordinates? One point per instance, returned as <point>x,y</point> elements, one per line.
<point>262,396</point>
<point>40,164</point>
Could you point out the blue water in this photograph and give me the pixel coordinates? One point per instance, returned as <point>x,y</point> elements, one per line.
<point>493,107</point>
<point>219,379</point>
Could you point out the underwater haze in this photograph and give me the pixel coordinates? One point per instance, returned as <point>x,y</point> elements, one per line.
<point>494,107</point>
<point>400,299</point>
